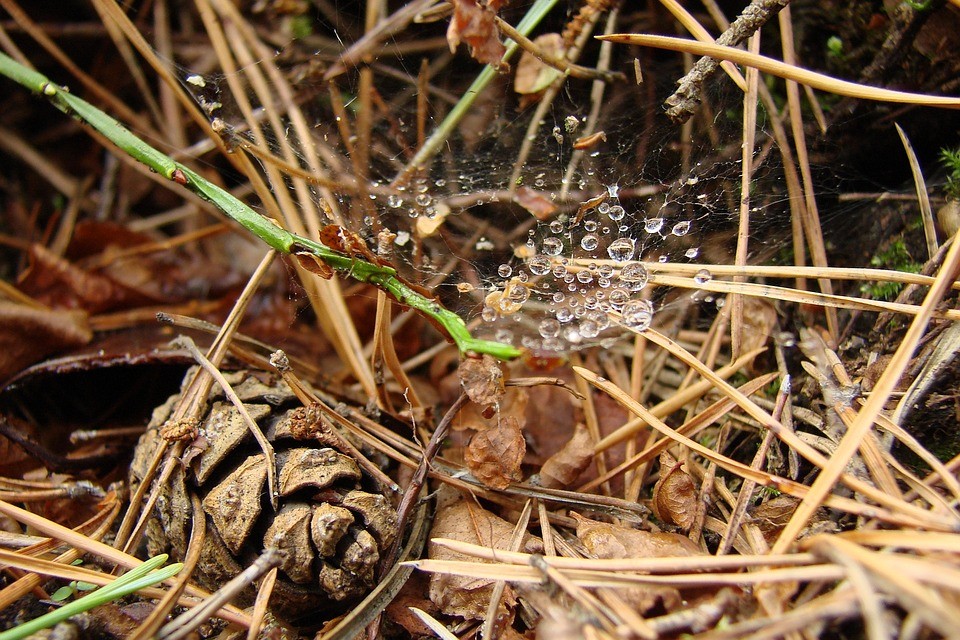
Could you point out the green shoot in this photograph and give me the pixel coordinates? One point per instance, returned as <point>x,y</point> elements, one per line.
<point>951,161</point>
<point>382,276</point>
<point>146,575</point>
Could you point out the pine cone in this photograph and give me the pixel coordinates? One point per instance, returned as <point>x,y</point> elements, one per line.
<point>331,523</point>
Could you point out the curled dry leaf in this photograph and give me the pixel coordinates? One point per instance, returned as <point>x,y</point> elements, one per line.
<point>473,22</point>
<point>482,380</point>
<point>612,541</point>
<point>494,455</point>
<point>461,595</point>
<point>533,76</point>
<point>565,466</point>
<point>675,494</point>
<point>27,335</point>
<point>538,204</point>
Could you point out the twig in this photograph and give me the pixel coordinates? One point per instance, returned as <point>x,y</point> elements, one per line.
<point>683,102</point>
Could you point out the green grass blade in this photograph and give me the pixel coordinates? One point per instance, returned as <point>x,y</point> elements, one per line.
<point>146,575</point>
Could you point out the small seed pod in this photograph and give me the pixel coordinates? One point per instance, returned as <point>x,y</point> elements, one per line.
<point>331,523</point>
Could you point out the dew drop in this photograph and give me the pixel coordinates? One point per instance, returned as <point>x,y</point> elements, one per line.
<point>653,225</point>
<point>692,252</point>
<point>606,270</point>
<point>603,282</point>
<point>681,228</point>
<point>489,314</point>
<point>552,246</point>
<point>571,335</point>
<point>549,328</point>
<point>589,328</point>
<point>590,225</point>
<point>618,298</point>
<point>616,213</point>
<point>423,200</point>
<point>394,201</point>
<point>538,265</point>
<point>604,208</point>
<point>558,297</point>
<point>637,314</point>
<point>504,270</point>
<point>621,250</point>
<point>634,275</point>
<point>504,335</point>
<point>613,190</point>
<point>564,314</point>
<point>702,277</point>
<point>589,242</point>
<point>585,277</point>
<point>556,227</point>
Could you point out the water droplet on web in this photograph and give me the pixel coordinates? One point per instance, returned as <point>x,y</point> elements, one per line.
<point>549,328</point>
<point>539,265</point>
<point>504,335</point>
<point>637,314</point>
<point>572,335</point>
<point>552,246</point>
<point>585,277</point>
<point>663,259</point>
<point>558,297</point>
<point>589,242</point>
<point>589,328</point>
<point>440,183</point>
<point>604,208</point>
<point>489,314</point>
<point>613,190</point>
<point>653,225</point>
<point>605,271</point>
<point>564,314</point>
<point>394,201</point>
<point>590,302</point>
<point>423,200</point>
<point>590,225</point>
<point>692,252</point>
<point>556,226</point>
<point>703,276</point>
<point>616,213</point>
<point>621,250</point>
<point>504,270</point>
<point>603,282</point>
<point>634,275</point>
<point>681,228</point>
<point>618,298</point>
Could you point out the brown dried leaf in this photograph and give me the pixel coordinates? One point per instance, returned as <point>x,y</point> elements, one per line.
<point>565,466</point>
<point>314,265</point>
<point>533,76</point>
<point>461,595</point>
<point>482,380</point>
<point>494,455</point>
<point>27,335</point>
<point>588,142</point>
<point>759,323</point>
<point>473,22</point>
<point>675,494</point>
<point>58,283</point>
<point>612,541</point>
<point>538,204</point>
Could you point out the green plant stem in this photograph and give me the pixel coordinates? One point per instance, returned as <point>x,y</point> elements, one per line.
<point>139,578</point>
<point>381,276</point>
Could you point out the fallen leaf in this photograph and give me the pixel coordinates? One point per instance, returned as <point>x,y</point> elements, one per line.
<point>563,468</point>
<point>612,541</point>
<point>675,494</point>
<point>473,22</point>
<point>533,76</point>
<point>494,455</point>
<point>539,205</point>
<point>588,142</point>
<point>482,380</point>
<point>462,595</point>
<point>27,335</point>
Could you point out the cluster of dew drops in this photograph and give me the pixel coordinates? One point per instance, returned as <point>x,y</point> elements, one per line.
<point>582,281</point>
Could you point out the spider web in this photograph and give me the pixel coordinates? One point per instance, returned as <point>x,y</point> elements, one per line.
<point>556,254</point>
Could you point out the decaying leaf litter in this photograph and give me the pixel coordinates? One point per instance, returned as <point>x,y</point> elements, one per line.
<point>659,463</point>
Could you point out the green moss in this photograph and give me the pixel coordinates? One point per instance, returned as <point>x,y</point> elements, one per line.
<point>951,161</point>
<point>897,258</point>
